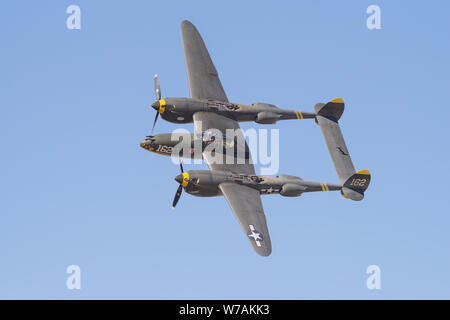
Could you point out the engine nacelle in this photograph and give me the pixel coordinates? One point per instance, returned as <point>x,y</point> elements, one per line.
<point>267,117</point>
<point>292,190</point>
<point>263,105</point>
<point>289,177</point>
<point>204,183</point>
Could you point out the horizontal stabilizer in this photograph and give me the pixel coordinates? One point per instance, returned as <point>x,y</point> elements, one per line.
<point>355,186</point>
<point>327,116</point>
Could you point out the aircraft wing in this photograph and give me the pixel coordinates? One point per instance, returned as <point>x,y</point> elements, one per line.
<point>204,82</point>
<point>247,207</point>
<point>244,201</point>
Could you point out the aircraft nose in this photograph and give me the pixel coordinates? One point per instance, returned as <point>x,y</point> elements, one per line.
<point>148,143</point>
<point>143,144</point>
<point>179,178</point>
<point>156,105</point>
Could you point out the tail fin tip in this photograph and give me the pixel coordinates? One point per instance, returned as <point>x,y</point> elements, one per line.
<point>356,185</point>
<point>332,110</point>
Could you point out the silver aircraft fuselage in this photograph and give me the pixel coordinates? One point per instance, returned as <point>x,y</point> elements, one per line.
<point>205,183</point>
<point>181,110</point>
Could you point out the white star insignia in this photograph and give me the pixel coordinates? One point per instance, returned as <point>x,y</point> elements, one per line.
<point>255,235</point>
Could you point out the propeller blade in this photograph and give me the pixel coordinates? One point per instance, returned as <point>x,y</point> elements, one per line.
<point>157,88</point>
<point>181,166</point>
<point>154,122</point>
<point>177,196</point>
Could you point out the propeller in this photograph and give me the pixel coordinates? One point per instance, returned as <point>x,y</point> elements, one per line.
<point>158,97</point>
<point>177,196</point>
<point>179,190</point>
<point>157,88</point>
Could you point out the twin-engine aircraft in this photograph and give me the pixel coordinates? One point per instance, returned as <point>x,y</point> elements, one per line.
<point>208,108</point>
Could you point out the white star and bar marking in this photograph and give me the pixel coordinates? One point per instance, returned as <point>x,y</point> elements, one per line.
<point>255,235</point>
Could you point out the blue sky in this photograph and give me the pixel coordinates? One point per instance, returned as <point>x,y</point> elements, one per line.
<point>77,188</point>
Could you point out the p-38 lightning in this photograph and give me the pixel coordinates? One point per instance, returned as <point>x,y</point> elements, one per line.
<point>208,108</point>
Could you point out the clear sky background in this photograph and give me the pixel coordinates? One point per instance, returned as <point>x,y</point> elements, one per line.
<point>76,188</point>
